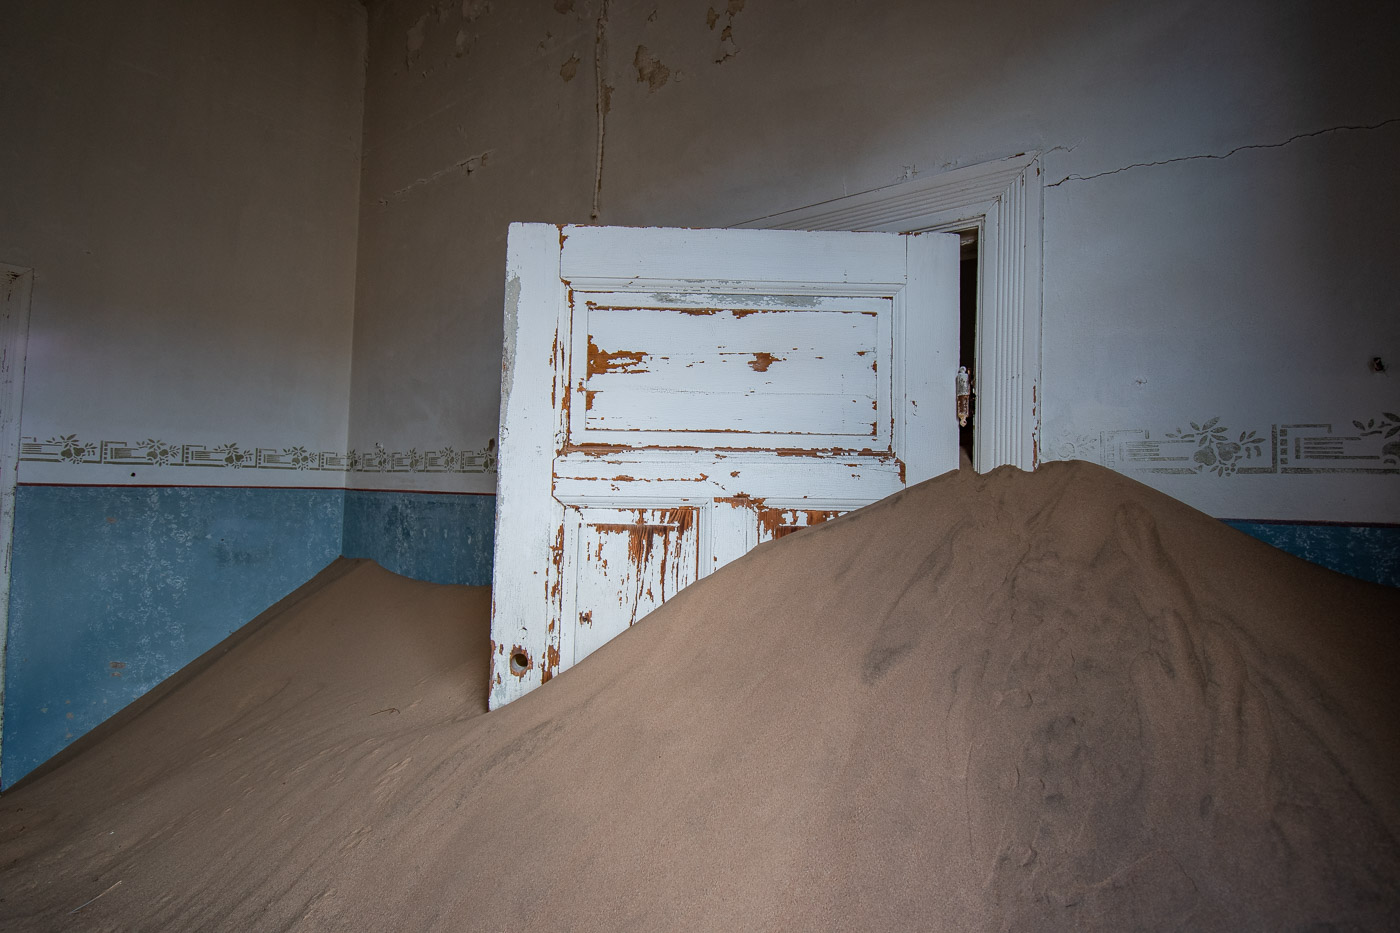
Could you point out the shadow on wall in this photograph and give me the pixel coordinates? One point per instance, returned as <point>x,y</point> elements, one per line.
<point>436,537</point>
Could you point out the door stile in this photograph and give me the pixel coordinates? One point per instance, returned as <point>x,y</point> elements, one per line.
<point>528,553</point>
<point>925,356</point>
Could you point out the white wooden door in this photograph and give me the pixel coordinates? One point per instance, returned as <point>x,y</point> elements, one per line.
<point>672,398</point>
<point>15,286</point>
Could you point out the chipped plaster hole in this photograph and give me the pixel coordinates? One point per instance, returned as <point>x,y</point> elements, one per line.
<point>650,71</point>
<point>563,6</point>
<point>1377,365</point>
<point>569,68</point>
<point>519,663</point>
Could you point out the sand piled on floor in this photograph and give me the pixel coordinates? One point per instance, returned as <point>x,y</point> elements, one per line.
<point>1053,701</point>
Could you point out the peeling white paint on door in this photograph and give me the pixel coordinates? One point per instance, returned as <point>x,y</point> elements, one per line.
<point>672,398</point>
<point>623,563</point>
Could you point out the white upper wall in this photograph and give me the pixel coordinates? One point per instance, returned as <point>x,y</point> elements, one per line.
<point>1219,214</point>
<point>183,179</point>
<point>1248,277</point>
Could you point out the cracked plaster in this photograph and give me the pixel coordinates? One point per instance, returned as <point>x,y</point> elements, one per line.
<point>1191,158</point>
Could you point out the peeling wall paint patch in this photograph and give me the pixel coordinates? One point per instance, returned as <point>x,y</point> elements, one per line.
<point>727,49</point>
<point>563,6</point>
<point>416,34</point>
<point>416,37</point>
<point>650,70</point>
<point>569,69</point>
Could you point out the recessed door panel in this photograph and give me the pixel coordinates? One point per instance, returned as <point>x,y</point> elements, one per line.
<point>729,371</point>
<point>620,564</point>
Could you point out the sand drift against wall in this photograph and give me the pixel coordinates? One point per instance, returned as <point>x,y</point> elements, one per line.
<point>1016,701</point>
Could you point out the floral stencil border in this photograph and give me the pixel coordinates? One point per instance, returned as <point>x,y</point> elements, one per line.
<point>155,452</point>
<point>1208,446</point>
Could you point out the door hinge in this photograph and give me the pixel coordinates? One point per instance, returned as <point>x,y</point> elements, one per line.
<point>963,383</point>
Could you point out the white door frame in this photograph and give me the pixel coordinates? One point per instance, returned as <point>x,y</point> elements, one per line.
<point>16,285</point>
<point>1003,201</point>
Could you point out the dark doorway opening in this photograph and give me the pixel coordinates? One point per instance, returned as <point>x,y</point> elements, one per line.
<point>967,330</point>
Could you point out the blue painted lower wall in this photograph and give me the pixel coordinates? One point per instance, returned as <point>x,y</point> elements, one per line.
<point>1369,552</point>
<point>441,538</point>
<point>115,588</point>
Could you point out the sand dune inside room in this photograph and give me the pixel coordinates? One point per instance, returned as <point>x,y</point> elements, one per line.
<point>1057,700</point>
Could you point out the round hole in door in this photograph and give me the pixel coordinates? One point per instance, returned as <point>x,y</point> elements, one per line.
<point>519,663</point>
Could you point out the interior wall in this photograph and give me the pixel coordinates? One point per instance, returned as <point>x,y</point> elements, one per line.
<point>1217,210</point>
<point>183,180</point>
<point>240,216</point>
